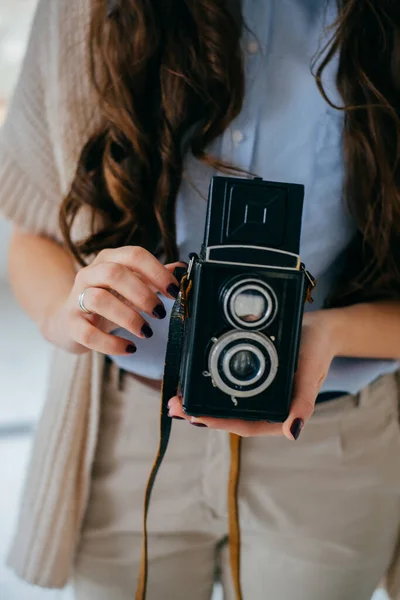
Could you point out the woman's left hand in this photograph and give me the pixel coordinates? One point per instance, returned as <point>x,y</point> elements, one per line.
<point>320,343</point>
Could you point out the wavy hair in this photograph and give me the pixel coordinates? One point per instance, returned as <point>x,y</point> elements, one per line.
<point>169,80</point>
<point>367,38</point>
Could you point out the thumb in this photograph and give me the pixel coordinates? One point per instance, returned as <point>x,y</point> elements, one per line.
<point>307,383</point>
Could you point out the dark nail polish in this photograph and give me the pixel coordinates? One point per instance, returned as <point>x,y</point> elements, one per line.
<point>147,331</point>
<point>173,290</point>
<point>198,424</point>
<point>296,428</point>
<point>159,312</point>
<point>178,418</point>
<point>131,349</point>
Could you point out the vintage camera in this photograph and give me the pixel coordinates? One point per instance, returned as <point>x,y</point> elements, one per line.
<point>244,300</point>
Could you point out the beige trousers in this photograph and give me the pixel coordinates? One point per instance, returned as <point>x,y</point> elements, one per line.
<point>319,517</point>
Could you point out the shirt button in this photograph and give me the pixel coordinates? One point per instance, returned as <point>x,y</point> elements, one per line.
<point>252,47</point>
<point>237,136</point>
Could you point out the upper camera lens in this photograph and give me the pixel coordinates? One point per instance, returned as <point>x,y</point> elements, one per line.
<point>245,365</point>
<point>250,306</point>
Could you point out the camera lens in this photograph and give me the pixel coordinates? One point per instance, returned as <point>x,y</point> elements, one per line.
<point>244,365</point>
<point>249,304</point>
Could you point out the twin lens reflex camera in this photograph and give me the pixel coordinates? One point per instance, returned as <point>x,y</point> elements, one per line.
<point>244,298</point>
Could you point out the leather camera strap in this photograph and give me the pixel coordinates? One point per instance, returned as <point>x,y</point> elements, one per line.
<point>169,389</point>
<point>233,513</point>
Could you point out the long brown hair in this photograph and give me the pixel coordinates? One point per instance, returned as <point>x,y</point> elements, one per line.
<point>169,79</point>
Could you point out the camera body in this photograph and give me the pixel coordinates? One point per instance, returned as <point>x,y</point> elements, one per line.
<point>245,303</point>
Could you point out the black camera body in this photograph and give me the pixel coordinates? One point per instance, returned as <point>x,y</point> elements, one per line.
<point>245,303</point>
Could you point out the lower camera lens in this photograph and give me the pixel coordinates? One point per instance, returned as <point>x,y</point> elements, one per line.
<point>244,365</point>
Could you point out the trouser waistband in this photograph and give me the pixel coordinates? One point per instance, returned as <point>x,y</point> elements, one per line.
<point>322,397</point>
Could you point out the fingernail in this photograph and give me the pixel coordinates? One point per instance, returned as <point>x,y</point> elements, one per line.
<point>131,349</point>
<point>159,312</point>
<point>173,290</point>
<point>173,416</point>
<point>196,423</point>
<point>147,331</point>
<point>296,428</point>
<point>176,418</point>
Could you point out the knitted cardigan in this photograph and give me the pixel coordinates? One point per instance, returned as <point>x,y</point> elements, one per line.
<point>51,116</point>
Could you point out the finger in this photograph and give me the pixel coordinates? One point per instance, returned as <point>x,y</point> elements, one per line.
<point>145,264</point>
<point>103,303</point>
<point>170,267</point>
<point>238,426</point>
<point>241,427</point>
<point>307,383</point>
<point>175,409</point>
<point>125,283</point>
<point>93,338</point>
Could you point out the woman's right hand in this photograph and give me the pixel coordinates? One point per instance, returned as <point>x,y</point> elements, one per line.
<point>119,284</point>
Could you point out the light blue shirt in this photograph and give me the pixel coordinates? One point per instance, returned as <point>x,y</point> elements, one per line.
<point>285,132</point>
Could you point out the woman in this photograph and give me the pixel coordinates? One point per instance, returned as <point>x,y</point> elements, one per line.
<point>104,171</point>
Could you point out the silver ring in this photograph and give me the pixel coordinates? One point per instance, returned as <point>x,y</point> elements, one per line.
<point>81,303</point>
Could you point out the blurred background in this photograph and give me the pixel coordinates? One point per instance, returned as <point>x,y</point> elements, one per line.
<point>23,354</point>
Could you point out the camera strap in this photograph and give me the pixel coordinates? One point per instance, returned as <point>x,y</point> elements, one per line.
<point>169,389</point>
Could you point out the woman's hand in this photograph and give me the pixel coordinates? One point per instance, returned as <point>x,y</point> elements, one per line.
<point>320,342</point>
<point>118,285</point>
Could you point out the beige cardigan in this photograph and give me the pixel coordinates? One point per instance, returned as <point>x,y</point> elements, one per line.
<point>51,116</point>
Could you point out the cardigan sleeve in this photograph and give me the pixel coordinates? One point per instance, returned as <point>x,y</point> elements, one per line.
<point>30,191</point>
